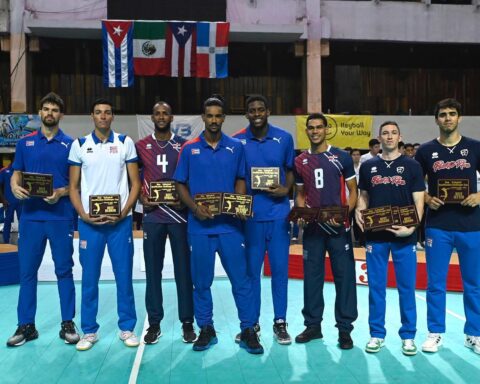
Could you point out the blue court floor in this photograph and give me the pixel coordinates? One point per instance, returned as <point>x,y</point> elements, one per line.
<point>49,360</point>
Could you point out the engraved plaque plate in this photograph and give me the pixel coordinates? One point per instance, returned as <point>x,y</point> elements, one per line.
<point>211,200</point>
<point>234,203</point>
<point>338,213</point>
<point>408,215</point>
<point>163,192</point>
<point>453,191</point>
<point>377,218</point>
<point>102,205</point>
<point>308,214</point>
<point>38,184</point>
<point>264,177</point>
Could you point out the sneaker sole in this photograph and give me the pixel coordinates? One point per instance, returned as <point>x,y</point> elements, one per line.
<point>409,353</point>
<point>153,342</point>
<point>23,341</point>
<point>213,341</point>
<point>283,342</point>
<point>372,350</point>
<point>132,345</point>
<point>477,351</point>
<point>303,341</point>
<point>431,350</point>
<point>84,348</point>
<point>253,351</point>
<point>189,341</point>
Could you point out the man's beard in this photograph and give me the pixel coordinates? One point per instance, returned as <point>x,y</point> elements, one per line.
<point>49,123</point>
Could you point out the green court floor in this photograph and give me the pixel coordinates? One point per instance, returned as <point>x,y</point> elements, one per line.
<point>49,360</point>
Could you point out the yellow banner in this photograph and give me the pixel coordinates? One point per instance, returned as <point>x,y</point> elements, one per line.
<point>343,131</point>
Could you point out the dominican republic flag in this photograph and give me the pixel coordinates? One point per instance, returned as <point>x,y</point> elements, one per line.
<point>117,53</point>
<point>180,49</point>
<point>212,49</point>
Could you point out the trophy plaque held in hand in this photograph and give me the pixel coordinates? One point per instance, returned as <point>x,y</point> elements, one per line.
<point>211,200</point>
<point>264,177</point>
<point>309,215</point>
<point>163,192</point>
<point>376,219</point>
<point>38,184</point>
<point>104,205</point>
<point>453,191</point>
<point>237,204</point>
<point>337,213</point>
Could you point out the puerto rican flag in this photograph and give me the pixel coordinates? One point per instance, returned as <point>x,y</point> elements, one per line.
<point>117,53</point>
<point>181,43</point>
<point>212,49</point>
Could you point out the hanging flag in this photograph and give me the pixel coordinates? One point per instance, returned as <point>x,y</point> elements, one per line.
<point>117,53</point>
<point>149,48</point>
<point>181,46</point>
<point>212,49</point>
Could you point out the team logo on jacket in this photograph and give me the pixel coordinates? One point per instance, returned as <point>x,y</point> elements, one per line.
<point>277,139</point>
<point>440,165</point>
<point>230,148</point>
<point>29,143</point>
<point>176,146</point>
<point>243,141</point>
<point>394,180</point>
<point>305,161</point>
<point>195,151</point>
<point>464,152</point>
<point>113,149</point>
<point>148,146</point>
<point>83,244</point>
<point>89,150</point>
<point>429,242</point>
<point>400,169</point>
<point>373,170</point>
<point>435,155</point>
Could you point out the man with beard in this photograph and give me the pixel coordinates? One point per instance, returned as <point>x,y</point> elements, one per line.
<point>215,163</point>
<point>268,230</point>
<point>158,154</point>
<point>45,151</point>
<point>105,163</point>
<point>321,175</point>
<point>448,158</point>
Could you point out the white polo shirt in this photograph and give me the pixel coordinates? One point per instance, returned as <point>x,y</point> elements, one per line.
<point>104,165</point>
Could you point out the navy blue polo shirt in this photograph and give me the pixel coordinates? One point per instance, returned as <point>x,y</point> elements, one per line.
<point>204,169</point>
<point>274,150</point>
<point>34,153</point>
<point>5,176</point>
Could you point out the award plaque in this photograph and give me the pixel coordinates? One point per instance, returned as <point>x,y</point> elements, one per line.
<point>308,214</point>
<point>264,177</point>
<point>211,200</point>
<point>38,184</point>
<point>377,218</point>
<point>104,205</point>
<point>234,203</point>
<point>406,216</point>
<point>453,191</point>
<point>338,213</point>
<point>163,192</point>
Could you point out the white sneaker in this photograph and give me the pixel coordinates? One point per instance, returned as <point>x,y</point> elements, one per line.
<point>374,345</point>
<point>129,339</point>
<point>408,347</point>
<point>473,342</point>
<point>87,341</point>
<point>432,343</point>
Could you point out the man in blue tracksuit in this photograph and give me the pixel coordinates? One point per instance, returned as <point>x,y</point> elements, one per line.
<point>215,162</point>
<point>268,230</point>
<point>45,151</point>
<point>10,202</point>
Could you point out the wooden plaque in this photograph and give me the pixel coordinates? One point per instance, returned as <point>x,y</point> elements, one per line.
<point>38,184</point>
<point>104,205</point>
<point>264,177</point>
<point>308,214</point>
<point>377,218</point>
<point>211,200</point>
<point>453,191</point>
<point>234,203</point>
<point>338,213</point>
<point>163,192</point>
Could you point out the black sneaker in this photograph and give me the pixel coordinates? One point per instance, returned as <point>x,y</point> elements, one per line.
<point>206,339</point>
<point>68,332</point>
<point>188,333</point>
<point>280,332</point>
<point>344,340</point>
<point>310,333</point>
<point>249,341</point>
<point>23,334</point>
<point>256,328</point>
<point>153,334</point>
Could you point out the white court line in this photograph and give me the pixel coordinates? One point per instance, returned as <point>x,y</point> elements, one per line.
<point>460,317</point>
<point>139,355</point>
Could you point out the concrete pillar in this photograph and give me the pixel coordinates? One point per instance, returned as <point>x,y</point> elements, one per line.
<point>18,58</point>
<point>314,76</point>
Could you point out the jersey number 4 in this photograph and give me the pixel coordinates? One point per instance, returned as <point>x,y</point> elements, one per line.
<point>318,173</point>
<point>162,160</point>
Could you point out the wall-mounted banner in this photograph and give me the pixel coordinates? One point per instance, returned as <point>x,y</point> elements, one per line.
<point>343,131</point>
<point>188,127</point>
<point>14,127</point>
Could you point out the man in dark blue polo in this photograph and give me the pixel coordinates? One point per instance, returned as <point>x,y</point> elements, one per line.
<point>215,162</point>
<point>45,151</point>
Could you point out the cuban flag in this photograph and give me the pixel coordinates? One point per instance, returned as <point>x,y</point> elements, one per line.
<point>117,53</point>
<point>212,49</point>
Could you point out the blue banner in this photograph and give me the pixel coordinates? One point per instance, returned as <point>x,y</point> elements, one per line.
<point>14,127</point>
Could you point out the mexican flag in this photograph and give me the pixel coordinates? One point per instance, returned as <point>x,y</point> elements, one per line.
<point>149,48</point>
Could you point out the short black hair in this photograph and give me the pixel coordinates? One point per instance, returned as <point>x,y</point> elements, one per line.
<point>252,98</point>
<point>53,98</point>
<point>408,145</point>
<point>161,102</point>
<point>388,122</point>
<point>448,103</point>
<point>101,101</point>
<point>354,150</point>
<point>373,142</point>
<point>214,100</point>
<point>317,116</point>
